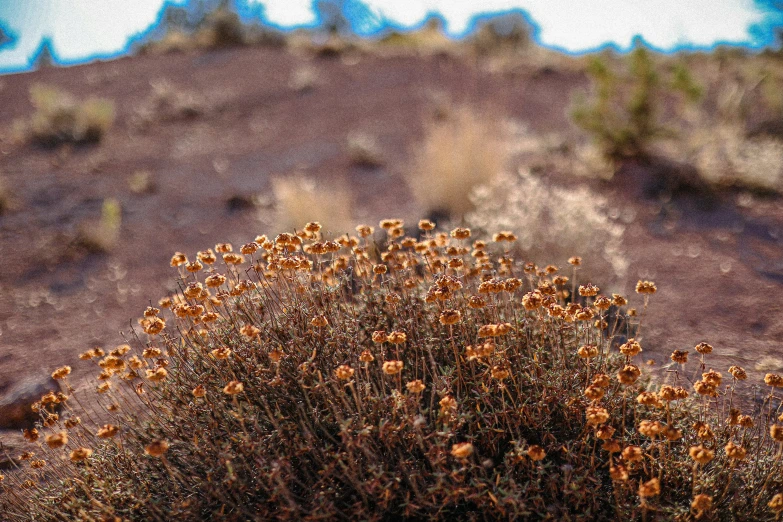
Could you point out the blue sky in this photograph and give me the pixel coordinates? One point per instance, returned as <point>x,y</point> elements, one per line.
<point>80,30</point>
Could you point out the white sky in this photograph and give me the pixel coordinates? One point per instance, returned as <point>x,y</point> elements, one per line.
<point>80,29</point>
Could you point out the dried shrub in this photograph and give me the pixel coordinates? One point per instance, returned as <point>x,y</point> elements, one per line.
<point>300,199</point>
<point>363,150</point>
<point>168,103</point>
<point>462,150</point>
<point>60,118</point>
<point>553,222</point>
<point>101,236</point>
<point>297,378</point>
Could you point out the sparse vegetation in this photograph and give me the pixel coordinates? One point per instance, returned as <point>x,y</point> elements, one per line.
<point>363,150</point>
<point>59,118</point>
<point>558,221</point>
<point>101,236</point>
<point>168,103</point>
<point>300,199</point>
<point>461,150</point>
<point>299,378</point>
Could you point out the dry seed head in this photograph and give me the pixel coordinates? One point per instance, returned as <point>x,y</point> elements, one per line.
<point>532,300</point>
<point>701,503</point>
<point>602,302</point>
<point>379,336</point>
<point>647,399</point>
<point>712,378</point>
<point>460,233</point>
<point>646,287</point>
<point>224,248</point>
<point>575,261</point>
<point>392,367</point>
<point>629,374</point>
<point>364,230</point>
<point>650,428</point>
<point>80,454</point>
<point>447,404</point>
<point>61,373</point>
<point>249,331</point>
<point>415,386</point>
<point>379,269</point>
<point>396,338</point>
<point>389,224</point>
<point>700,454</point>
<point>462,450</point>
<point>560,280</point>
<point>500,373</point>
<point>207,257</point>
<point>31,435</point>
<point>776,504</point>
<point>344,372</point>
<point>735,451</point>
<point>199,391</point>
<point>703,348</point>
<point>594,393</point>
<point>776,432</point>
<point>193,266</point>
<point>774,380</point>
<point>319,321</point>
<point>632,454</point>
<point>158,374</point>
<point>601,380</point>
<point>619,300</point>
<point>156,448</point>
<point>596,415</point>
<point>630,348</point>
<point>178,259</point>
<point>651,488</point>
<point>588,290</point>
<point>604,432</point>
<point>233,388</point>
<point>426,225</point>
<point>738,373</point>
<point>618,473</point>
<point>587,351</point>
<point>705,388</point>
<point>57,440</point>
<point>221,353</point>
<point>108,431</point>
<point>366,357</point>
<point>536,453</point>
<point>450,317</point>
<point>679,356</point>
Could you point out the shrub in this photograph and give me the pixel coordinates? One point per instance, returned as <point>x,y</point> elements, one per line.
<point>167,103</point>
<point>299,379</point>
<point>59,118</point>
<point>461,150</point>
<point>101,236</point>
<point>363,150</point>
<point>623,123</point>
<point>299,199</point>
<point>552,223</point>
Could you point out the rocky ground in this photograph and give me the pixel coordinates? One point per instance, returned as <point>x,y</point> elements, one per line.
<point>718,263</point>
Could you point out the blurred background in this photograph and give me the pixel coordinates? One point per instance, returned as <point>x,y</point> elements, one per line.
<point>646,138</point>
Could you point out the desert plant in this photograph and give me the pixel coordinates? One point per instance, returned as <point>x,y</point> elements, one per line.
<point>101,236</point>
<point>299,379</point>
<point>363,150</point>
<point>167,103</point>
<point>623,115</point>
<point>59,118</point>
<point>300,199</point>
<point>461,150</point>
<point>557,222</point>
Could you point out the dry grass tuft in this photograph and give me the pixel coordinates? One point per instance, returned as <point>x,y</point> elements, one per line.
<point>60,118</point>
<point>462,150</point>
<point>101,236</point>
<point>363,150</point>
<point>168,103</point>
<point>552,222</point>
<point>299,199</point>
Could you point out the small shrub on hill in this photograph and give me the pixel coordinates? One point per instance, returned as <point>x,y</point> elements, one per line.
<point>300,378</point>
<point>60,118</point>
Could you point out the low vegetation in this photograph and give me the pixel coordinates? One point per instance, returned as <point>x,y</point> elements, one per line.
<point>461,150</point>
<point>430,378</point>
<point>60,118</point>
<point>300,199</point>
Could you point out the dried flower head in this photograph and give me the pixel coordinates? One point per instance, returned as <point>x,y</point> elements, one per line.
<point>651,488</point>
<point>108,431</point>
<point>392,367</point>
<point>680,356</point>
<point>397,337</point>
<point>536,453</point>
<point>630,348</point>
<point>156,448</point>
<point>700,454</point>
<point>738,373</point>
<point>61,373</point>
<point>450,317</point>
<point>618,473</point>
<point>233,388</point>
<point>774,380</point>
<point>80,454</point>
<point>735,451</point>
<point>415,386</point>
<point>596,415</point>
<point>462,450</point>
<point>646,287</point>
<point>344,372</point>
<point>703,348</point>
<point>199,391</point>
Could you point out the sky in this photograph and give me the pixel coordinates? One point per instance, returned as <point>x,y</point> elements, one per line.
<point>82,30</point>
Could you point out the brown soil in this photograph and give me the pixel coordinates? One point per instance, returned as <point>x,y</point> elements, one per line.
<point>718,266</point>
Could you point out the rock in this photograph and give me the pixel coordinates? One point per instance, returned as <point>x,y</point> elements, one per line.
<point>16,401</point>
